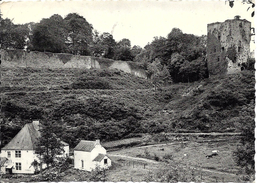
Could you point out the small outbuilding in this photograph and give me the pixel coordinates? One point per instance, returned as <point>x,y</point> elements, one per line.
<point>88,155</point>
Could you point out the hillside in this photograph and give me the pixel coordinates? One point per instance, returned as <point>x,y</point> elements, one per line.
<point>111,104</point>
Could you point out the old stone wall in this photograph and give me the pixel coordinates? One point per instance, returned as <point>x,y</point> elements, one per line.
<point>228,46</point>
<point>34,59</point>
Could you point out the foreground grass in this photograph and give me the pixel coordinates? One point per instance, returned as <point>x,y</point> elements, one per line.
<point>189,156</point>
<point>171,159</point>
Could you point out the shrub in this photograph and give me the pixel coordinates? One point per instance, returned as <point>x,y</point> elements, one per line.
<point>168,157</point>
<point>156,158</point>
<point>91,83</point>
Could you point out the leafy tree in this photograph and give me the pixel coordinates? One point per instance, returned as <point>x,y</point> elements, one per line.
<point>174,66</point>
<point>124,43</point>
<point>50,35</point>
<point>123,50</point>
<point>194,70</point>
<point>175,34</point>
<point>12,36</point>
<point>97,48</point>
<point>244,155</point>
<point>123,53</point>
<point>5,35</point>
<point>143,56</point>
<point>182,53</point>
<point>159,74</point>
<point>109,43</point>
<point>19,34</point>
<point>135,51</point>
<point>104,45</point>
<point>158,49</point>
<point>48,146</point>
<point>80,34</point>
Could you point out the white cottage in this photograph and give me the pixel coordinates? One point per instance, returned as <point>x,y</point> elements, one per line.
<point>90,154</point>
<point>20,151</point>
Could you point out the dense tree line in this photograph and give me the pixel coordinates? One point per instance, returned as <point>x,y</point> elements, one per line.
<point>182,54</point>
<point>71,34</point>
<point>179,53</point>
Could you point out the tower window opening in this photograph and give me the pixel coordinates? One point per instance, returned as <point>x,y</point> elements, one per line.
<point>239,49</point>
<point>222,49</point>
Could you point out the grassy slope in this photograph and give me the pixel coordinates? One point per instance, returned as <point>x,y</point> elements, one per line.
<point>204,106</point>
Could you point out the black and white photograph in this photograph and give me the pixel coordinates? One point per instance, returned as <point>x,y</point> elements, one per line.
<point>127,91</point>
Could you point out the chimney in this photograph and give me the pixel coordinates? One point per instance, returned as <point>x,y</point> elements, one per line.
<point>36,125</point>
<point>97,142</point>
<point>237,17</point>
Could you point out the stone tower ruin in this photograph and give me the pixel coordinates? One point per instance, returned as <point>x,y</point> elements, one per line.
<point>228,46</point>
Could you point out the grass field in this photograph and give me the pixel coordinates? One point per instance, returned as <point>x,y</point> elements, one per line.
<point>190,155</point>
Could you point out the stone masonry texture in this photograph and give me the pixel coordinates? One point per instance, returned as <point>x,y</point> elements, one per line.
<point>228,46</point>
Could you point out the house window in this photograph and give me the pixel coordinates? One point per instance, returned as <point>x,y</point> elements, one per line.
<point>18,166</point>
<point>239,49</point>
<point>82,163</point>
<point>105,161</point>
<point>17,154</point>
<point>218,59</point>
<point>214,50</point>
<point>222,48</point>
<point>8,154</point>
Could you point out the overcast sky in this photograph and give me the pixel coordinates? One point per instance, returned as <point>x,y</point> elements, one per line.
<point>138,21</point>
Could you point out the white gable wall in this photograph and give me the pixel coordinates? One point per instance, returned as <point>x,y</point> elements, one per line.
<point>97,150</point>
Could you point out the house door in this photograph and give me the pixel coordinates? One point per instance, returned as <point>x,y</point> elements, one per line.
<point>8,170</point>
<point>82,163</point>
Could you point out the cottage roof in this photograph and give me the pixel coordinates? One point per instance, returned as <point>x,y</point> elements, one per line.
<point>25,139</point>
<point>85,145</point>
<point>99,157</point>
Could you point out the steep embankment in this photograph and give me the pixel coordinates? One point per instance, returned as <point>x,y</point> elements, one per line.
<point>111,104</point>
<point>214,104</point>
